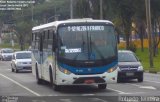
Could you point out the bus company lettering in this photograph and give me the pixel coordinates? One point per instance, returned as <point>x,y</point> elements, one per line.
<point>85,28</point>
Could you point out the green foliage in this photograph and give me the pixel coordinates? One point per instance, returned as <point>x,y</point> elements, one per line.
<point>144,57</point>
<point>23,32</point>
<point>82,9</point>
<point>16,46</point>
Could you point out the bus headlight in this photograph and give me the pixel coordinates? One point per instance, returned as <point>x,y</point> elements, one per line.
<point>112,69</point>
<point>65,71</point>
<point>140,68</point>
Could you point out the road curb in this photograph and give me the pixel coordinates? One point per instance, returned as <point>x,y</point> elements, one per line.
<point>147,71</point>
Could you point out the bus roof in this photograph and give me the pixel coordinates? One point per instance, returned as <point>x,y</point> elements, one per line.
<point>56,23</point>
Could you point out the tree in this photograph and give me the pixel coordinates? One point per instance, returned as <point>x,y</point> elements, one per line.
<point>140,19</point>
<point>23,32</point>
<point>125,11</point>
<point>42,10</point>
<point>155,11</point>
<point>82,9</point>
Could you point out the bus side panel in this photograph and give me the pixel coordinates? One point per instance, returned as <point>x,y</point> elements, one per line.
<point>35,54</point>
<point>49,63</point>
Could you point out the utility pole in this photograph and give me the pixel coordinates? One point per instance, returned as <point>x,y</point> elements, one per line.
<point>101,9</point>
<point>149,32</point>
<point>32,12</point>
<point>71,9</point>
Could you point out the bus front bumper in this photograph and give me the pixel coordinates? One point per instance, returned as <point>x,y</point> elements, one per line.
<point>72,79</point>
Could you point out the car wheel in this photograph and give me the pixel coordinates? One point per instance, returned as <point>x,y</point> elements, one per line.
<point>140,79</point>
<point>119,80</point>
<point>12,68</point>
<point>102,86</point>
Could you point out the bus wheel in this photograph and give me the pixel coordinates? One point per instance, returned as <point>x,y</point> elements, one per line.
<point>12,70</point>
<point>39,81</point>
<point>51,76</point>
<point>102,86</point>
<point>16,70</point>
<point>57,87</point>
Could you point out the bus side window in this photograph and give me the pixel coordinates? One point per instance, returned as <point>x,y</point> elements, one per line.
<point>51,41</point>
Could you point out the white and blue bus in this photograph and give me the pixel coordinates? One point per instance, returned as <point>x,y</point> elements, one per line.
<point>75,52</point>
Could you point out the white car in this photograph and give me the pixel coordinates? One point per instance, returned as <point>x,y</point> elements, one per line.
<point>6,54</point>
<point>21,61</point>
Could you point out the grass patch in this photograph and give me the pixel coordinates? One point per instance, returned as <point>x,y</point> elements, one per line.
<point>144,57</point>
<point>16,46</point>
<point>9,46</point>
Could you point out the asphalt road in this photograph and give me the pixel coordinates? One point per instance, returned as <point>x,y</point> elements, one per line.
<point>23,87</point>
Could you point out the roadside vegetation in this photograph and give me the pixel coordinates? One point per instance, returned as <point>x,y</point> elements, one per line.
<point>15,48</point>
<point>144,57</point>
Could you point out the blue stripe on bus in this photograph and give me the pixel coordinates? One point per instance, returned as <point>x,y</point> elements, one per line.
<point>88,70</point>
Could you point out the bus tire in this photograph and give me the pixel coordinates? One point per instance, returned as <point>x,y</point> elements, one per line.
<point>12,70</point>
<point>16,70</point>
<point>102,86</point>
<point>51,76</point>
<point>39,81</point>
<point>57,87</point>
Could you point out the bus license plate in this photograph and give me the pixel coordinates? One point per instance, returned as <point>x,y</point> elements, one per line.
<point>129,74</point>
<point>89,81</point>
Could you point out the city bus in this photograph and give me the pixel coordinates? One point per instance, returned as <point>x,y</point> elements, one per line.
<point>75,52</point>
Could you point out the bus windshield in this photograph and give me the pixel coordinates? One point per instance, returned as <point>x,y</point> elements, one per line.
<point>87,42</point>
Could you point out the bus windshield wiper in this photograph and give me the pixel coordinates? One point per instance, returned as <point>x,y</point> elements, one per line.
<point>82,46</point>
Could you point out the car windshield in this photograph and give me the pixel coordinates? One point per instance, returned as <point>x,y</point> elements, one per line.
<point>8,51</point>
<point>23,55</point>
<point>126,57</point>
<point>91,42</point>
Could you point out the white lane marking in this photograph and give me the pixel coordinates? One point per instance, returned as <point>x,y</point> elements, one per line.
<point>97,99</point>
<point>134,93</point>
<point>5,69</point>
<point>152,81</point>
<point>145,87</point>
<point>120,92</point>
<point>148,87</point>
<point>52,95</point>
<point>20,85</point>
<point>88,94</point>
